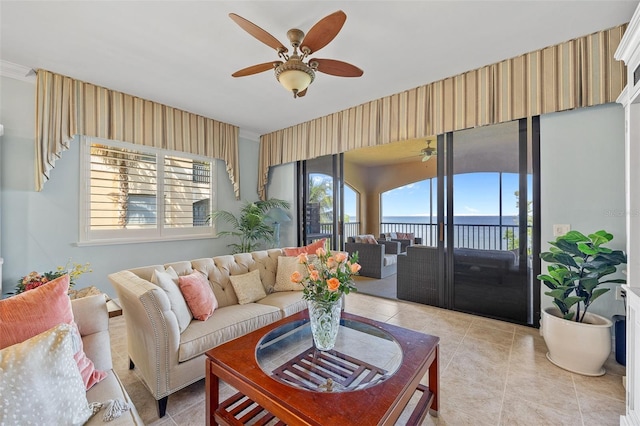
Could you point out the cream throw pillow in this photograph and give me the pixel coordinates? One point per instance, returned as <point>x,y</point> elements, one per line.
<point>40,381</point>
<point>248,287</point>
<point>168,281</point>
<point>287,266</point>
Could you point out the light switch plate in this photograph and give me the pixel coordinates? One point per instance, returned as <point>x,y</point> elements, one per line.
<point>561,229</point>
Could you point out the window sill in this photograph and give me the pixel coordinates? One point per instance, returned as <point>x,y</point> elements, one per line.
<point>170,238</point>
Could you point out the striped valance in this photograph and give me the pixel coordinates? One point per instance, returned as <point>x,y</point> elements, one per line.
<point>66,107</point>
<point>578,73</point>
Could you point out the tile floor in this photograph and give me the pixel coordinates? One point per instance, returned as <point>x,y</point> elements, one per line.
<point>491,373</point>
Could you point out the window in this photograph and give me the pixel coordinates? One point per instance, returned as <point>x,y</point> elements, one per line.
<point>135,193</point>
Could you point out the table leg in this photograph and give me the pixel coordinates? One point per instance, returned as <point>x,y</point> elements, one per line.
<point>434,386</point>
<point>212,395</point>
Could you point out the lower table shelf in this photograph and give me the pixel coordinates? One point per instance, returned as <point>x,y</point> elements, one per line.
<point>240,410</point>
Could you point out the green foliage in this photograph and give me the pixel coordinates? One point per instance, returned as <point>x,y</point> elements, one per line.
<point>577,266</point>
<point>249,227</point>
<point>513,242</point>
<point>321,193</point>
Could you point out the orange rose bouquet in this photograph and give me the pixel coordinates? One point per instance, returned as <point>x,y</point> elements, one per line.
<point>328,275</point>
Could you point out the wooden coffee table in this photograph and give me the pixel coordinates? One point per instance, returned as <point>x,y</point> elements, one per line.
<point>368,379</point>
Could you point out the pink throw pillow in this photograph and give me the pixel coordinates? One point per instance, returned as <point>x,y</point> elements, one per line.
<point>35,311</point>
<point>370,239</point>
<point>198,294</point>
<point>309,249</point>
<point>405,235</point>
<point>90,376</point>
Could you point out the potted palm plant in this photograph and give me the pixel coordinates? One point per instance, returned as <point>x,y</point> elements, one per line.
<point>250,227</point>
<point>578,341</point>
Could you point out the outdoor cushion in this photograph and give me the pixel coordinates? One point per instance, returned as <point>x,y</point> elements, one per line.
<point>389,259</point>
<point>366,239</point>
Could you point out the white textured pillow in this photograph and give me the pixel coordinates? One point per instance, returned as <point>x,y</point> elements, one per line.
<point>168,281</point>
<point>287,266</point>
<point>248,287</point>
<point>40,381</point>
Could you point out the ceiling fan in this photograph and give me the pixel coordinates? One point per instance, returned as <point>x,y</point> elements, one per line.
<point>428,152</point>
<point>293,73</point>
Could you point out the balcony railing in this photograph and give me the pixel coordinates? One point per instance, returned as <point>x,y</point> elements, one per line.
<point>350,229</point>
<point>486,237</point>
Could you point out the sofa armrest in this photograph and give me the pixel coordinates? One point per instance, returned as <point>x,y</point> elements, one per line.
<point>91,316</point>
<point>153,336</point>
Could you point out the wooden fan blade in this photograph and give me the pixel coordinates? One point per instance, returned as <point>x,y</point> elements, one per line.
<point>255,69</point>
<point>323,32</point>
<point>337,68</point>
<point>258,32</point>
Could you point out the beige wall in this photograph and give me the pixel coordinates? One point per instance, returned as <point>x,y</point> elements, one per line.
<point>356,177</point>
<point>371,182</point>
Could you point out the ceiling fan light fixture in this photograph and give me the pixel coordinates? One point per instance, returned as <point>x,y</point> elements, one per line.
<point>428,152</point>
<point>295,76</point>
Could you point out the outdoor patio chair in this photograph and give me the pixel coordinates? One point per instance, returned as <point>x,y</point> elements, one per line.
<point>377,260</point>
<point>404,242</point>
<point>417,279</point>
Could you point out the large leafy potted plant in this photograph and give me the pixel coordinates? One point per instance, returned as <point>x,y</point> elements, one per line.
<point>578,341</point>
<point>250,227</point>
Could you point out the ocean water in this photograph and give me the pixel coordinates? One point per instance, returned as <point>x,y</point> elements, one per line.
<point>477,231</point>
<point>457,220</point>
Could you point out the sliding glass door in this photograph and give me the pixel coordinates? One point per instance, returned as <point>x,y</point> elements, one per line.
<point>321,210</point>
<point>485,217</point>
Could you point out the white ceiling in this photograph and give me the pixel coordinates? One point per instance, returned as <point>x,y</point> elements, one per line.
<point>182,53</point>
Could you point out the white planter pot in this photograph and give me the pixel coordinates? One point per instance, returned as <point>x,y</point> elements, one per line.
<point>578,347</point>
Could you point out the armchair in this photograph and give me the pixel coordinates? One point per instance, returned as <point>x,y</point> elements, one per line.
<point>418,270</point>
<point>405,240</point>
<point>377,260</point>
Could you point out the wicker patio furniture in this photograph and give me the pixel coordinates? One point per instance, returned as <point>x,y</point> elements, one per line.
<point>417,279</point>
<point>404,242</point>
<point>377,260</point>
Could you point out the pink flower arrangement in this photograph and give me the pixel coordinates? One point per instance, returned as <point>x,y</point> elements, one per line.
<point>328,275</point>
<point>35,279</point>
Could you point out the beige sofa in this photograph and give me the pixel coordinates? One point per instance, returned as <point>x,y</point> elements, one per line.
<point>92,318</point>
<point>168,360</point>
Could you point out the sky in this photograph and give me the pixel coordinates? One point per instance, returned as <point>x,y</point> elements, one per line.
<point>474,194</point>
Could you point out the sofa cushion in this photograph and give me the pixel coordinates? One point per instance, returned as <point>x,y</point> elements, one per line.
<point>112,388</point>
<point>389,259</point>
<point>168,281</point>
<point>198,295</point>
<point>309,249</point>
<point>30,313</point>
<point>248,287</point>
<point>225,324</point>
<point>289,302</point>
<point>287,266</point>
<point>40,380</point>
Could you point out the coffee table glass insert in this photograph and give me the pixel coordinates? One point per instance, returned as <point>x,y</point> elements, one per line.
<point>363,356</point>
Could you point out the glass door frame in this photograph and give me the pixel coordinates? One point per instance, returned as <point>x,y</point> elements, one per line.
<point>445,215</point>
<point>337,173</point>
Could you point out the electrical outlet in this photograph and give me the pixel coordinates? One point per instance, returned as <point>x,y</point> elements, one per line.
<point>561,229</point>
<point>619,292</point>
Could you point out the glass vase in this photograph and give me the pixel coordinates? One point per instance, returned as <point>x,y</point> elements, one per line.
<point>325,321</point>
